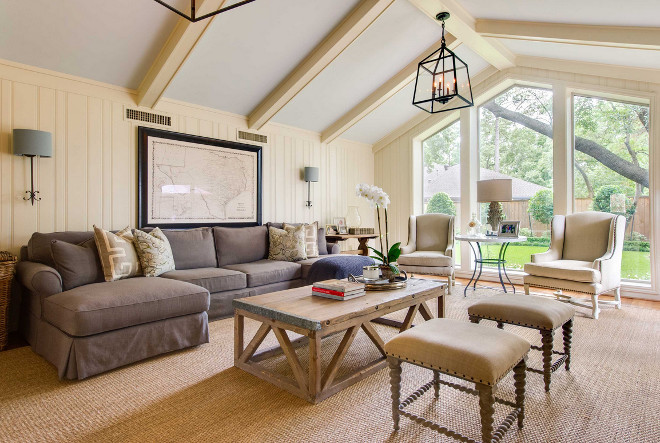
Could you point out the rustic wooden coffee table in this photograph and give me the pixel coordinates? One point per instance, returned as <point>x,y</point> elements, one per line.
<point>316,317</point>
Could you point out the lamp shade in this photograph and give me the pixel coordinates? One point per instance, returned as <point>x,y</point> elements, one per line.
<point>311,174</point>
<point>495,190</point>
<point>32,142</point>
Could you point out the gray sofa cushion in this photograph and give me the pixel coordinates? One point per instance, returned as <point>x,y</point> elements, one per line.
<point>192,248</point>
<point>211,279</point>
<point>240,245</point>
<point>264,272</point>
<point>38,246</point>
<point>77,264</point>
<point>101,307</point>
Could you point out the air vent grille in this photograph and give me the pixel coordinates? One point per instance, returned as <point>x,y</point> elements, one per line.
<point>134,114</point>
<point>252,137</point>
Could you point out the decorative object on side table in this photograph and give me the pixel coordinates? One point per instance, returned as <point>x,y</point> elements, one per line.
<point>331,230</point>
<point>508,228</point>
<point>7,266</point>
<point>387,256</point>
<point>341,225</point>
<point>494,191</point>
<point>474,226</point>
<point>353,220</point>
<point>361,231</point>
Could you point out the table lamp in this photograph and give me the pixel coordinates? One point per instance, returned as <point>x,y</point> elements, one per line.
<point>311,175</point>
<point>32,143</point>
<point>494,191</point>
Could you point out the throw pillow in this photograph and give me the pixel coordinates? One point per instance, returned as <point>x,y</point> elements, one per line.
<point>117,253</point>
<point>154,251</point>
<point>287,244</point>
<point>311,238</point>
<point>77,264</point>
<point>323,245</point>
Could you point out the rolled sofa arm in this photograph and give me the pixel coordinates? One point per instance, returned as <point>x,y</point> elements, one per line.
<point>38,278</point>
<point>334,248</point>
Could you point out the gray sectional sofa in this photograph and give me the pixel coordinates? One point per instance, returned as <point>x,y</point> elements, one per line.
<point>101,326</point>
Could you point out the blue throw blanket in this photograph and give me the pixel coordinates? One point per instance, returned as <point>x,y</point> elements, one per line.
<point>338,266</point>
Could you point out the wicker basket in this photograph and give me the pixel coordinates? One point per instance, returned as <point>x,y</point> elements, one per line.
<point>7,265</point>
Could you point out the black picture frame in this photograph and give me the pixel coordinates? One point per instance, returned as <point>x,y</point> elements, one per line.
<point>143,192</point>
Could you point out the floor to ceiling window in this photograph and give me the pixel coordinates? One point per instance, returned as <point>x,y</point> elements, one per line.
<point>618,184</point>
<point>442,175</point>
<point>515,141</point>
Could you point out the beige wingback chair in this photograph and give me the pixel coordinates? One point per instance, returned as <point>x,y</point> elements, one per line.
<point>584,256</point>
<point>430,248</point>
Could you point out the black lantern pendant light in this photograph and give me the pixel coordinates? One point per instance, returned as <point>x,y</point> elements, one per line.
<point>193,12</point>
<point>443,81</point>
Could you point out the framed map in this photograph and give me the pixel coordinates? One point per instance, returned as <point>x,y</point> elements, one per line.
<point>187,181</point>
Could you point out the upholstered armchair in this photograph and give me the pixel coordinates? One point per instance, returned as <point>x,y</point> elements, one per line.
<point>430,248</point>
<point>584,256</point>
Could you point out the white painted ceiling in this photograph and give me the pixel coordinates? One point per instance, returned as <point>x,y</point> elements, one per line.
<point>399,35</point>
<point>399,109</point>
<point>246,52</point>
<point>586,12</point>
<point>109,41</point>
<point>640,58</point>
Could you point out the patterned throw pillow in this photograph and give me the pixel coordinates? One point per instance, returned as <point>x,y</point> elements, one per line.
<point>117,253</point>
<point>287,244</point>
<point>311,238</point>
<point>154,251</point>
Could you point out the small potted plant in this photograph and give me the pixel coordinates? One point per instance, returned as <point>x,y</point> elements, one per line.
<point>387,256</point>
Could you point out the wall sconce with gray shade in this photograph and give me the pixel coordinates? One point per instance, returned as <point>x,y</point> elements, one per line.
<point>494,191</point>
<point>311,175</point>
<point>32,143</point>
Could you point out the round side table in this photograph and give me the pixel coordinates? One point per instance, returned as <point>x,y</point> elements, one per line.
<point>479,261</point>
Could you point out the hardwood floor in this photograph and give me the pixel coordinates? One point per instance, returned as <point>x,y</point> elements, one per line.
<point>649,304</point>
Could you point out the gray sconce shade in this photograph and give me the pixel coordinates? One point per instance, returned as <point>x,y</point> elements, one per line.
<point>311,174</point>
<point>32,142</point>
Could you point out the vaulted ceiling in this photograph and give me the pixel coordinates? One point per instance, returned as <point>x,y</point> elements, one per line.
<point>342,68</point>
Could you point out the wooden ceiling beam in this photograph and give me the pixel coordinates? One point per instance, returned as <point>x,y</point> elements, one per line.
<point>462,26</point>
<point>382,94</point>
<point>359,19</point>
<point>612,36</point>
<point>177,48</point>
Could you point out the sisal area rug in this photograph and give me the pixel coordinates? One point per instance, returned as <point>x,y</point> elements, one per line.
<point>612,393</point>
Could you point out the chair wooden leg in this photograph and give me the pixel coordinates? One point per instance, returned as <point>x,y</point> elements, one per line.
<point>617,298</point>
<point>594,309</point>
<point>436,383</point>
<point>568,335</point>
<point>519,373</point>
<point>395,388</point>
<point>546,349</point>
<point>487,410</point>
<point>526,289</point>
<point>449,285</point>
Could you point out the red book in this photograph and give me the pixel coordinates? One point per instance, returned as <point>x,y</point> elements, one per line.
<point>331,292</point>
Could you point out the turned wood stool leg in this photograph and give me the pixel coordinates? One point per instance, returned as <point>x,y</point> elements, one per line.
<point>519,377</point>
<point>568,335</point>
<point>436,383</point>
<point>487,410</point>
<point>500,325</point>
<point>395,387</point>
<point>474,319</point>
<point>547,338</point>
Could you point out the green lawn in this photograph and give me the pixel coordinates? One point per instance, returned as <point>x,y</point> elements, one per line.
<point>635,265</point>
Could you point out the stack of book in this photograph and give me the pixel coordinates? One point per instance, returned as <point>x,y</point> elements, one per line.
<point>361,231</point>
<point>338,289</point>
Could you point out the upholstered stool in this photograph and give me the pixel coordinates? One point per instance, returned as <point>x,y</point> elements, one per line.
<point>534,312</point>
<point>467,351</point>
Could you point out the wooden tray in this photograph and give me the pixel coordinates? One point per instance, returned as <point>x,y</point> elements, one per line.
<point>380,285</point>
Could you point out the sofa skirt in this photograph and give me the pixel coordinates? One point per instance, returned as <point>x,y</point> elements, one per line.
<point>82,357</point>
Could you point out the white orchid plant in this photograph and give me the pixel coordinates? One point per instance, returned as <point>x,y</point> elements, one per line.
<point>378,199</point>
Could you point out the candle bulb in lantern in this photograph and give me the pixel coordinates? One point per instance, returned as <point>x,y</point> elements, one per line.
<point>433,94</point>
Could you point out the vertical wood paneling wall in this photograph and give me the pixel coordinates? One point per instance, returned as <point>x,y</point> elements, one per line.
<point>92,176</point>
<point>396,157</point>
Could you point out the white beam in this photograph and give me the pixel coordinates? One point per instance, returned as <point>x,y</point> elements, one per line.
<point>362,16</point>
<point>178,46</point>
<point>462,25</point>
<point>612,36</point>
<point>382,94</point>
<point>588,68</point>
